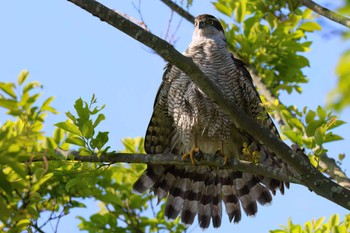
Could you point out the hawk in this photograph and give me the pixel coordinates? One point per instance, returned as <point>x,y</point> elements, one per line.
<point>186,122</point>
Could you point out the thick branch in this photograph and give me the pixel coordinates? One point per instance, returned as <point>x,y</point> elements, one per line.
<point>171,159</point>
<point>312,178</point>
<point>326,12</point>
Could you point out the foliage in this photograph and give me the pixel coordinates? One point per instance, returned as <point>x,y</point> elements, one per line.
<point>334,225</point>
<point>339,97</point>
<point>81,128</point>
<point>28,188</point>
<point>120,209</point>
<point>270,36</point>
<point>37,187</point>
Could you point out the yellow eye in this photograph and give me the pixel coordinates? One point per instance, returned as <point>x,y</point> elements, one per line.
<point>211,22</point>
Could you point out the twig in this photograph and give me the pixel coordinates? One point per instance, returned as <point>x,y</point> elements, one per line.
<point>312,178</point>
<point>334,16</point>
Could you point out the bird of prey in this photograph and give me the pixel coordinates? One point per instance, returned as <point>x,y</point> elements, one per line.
<point>186,122</point>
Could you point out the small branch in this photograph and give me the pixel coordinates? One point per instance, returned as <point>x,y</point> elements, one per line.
<point>178,9</point>
<point>326,13</point>
<point>171,159</point>
<point>312,178</point>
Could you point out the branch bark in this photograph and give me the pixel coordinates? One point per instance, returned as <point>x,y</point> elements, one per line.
<point>312,178</point>
<point>334,16</point>
<point>171,159</point>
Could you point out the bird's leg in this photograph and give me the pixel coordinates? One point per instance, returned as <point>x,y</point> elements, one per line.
<point>221,152</point>
<point>194,151</point>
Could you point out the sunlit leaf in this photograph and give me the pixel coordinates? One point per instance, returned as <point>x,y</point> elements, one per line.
<point>67,126</point>
<point>8,88</point>
<point>22,77</point>
<point>310,26</point>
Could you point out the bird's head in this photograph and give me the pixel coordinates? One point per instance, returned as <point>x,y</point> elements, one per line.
<point>207,26</point>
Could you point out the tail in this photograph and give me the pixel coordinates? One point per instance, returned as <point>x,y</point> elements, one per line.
<point>201,191</point>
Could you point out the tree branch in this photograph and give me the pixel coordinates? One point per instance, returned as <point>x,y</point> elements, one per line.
<point>171,159</point>
<point>326,13</point>
<point>312,178</point>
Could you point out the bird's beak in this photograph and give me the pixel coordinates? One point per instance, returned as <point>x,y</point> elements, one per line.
<point>200,24</point>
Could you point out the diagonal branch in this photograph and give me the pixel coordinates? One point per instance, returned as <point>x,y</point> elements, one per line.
<point>334,16</point>
<point>312,178</point>
<point>327,165</point>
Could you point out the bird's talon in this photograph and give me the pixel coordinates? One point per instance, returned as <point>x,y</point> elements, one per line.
<point>219,153</point>
<point>192,154</point>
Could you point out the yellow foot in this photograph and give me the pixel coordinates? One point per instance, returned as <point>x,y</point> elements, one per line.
<point>220,153</point>
<point>250,153</point>
<point>192,154</point>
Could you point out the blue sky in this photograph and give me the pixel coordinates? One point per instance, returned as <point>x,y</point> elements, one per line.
<point>73,54</point>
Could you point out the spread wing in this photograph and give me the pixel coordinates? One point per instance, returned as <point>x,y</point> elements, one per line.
<point>160,127</point>
<point>253,105</point>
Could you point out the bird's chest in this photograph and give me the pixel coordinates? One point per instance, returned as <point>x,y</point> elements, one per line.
<point>193,112</point>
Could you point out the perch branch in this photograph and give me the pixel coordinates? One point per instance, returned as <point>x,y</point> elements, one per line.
<point>312,178</point>
<point>171,159</point>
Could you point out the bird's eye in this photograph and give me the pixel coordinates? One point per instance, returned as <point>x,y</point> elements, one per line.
<point>211,22</point>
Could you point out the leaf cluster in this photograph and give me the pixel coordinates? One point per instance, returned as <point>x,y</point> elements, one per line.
<point>333,225</point>
<point>271,36</point>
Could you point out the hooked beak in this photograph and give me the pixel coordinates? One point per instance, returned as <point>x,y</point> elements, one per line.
<point>200,24</point>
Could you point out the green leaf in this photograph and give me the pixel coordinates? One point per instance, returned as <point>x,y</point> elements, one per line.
<point>82,109</point>
<point>88,129</point>
<point>10,105</point>
<point>22,77</point>
<point>334,220</point>
<point>67,126</point>
<point>71,183</point>
<point>226,10</point>
<point>71,116</point>
<point>321,113</point>
<point>306,14</point>
<point>75,141</point>
<point>318,223</point>
<point>310,26</point>
<point>330,137</point>
<point>320,136</point>
<point>8,88</point>
<point>241,11</point>
<point>312,126</point>
<point>46,105</point>
<point>99,118</point>
<point>100,140</point>
<point>30,86</point>
<point>310,116</point>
